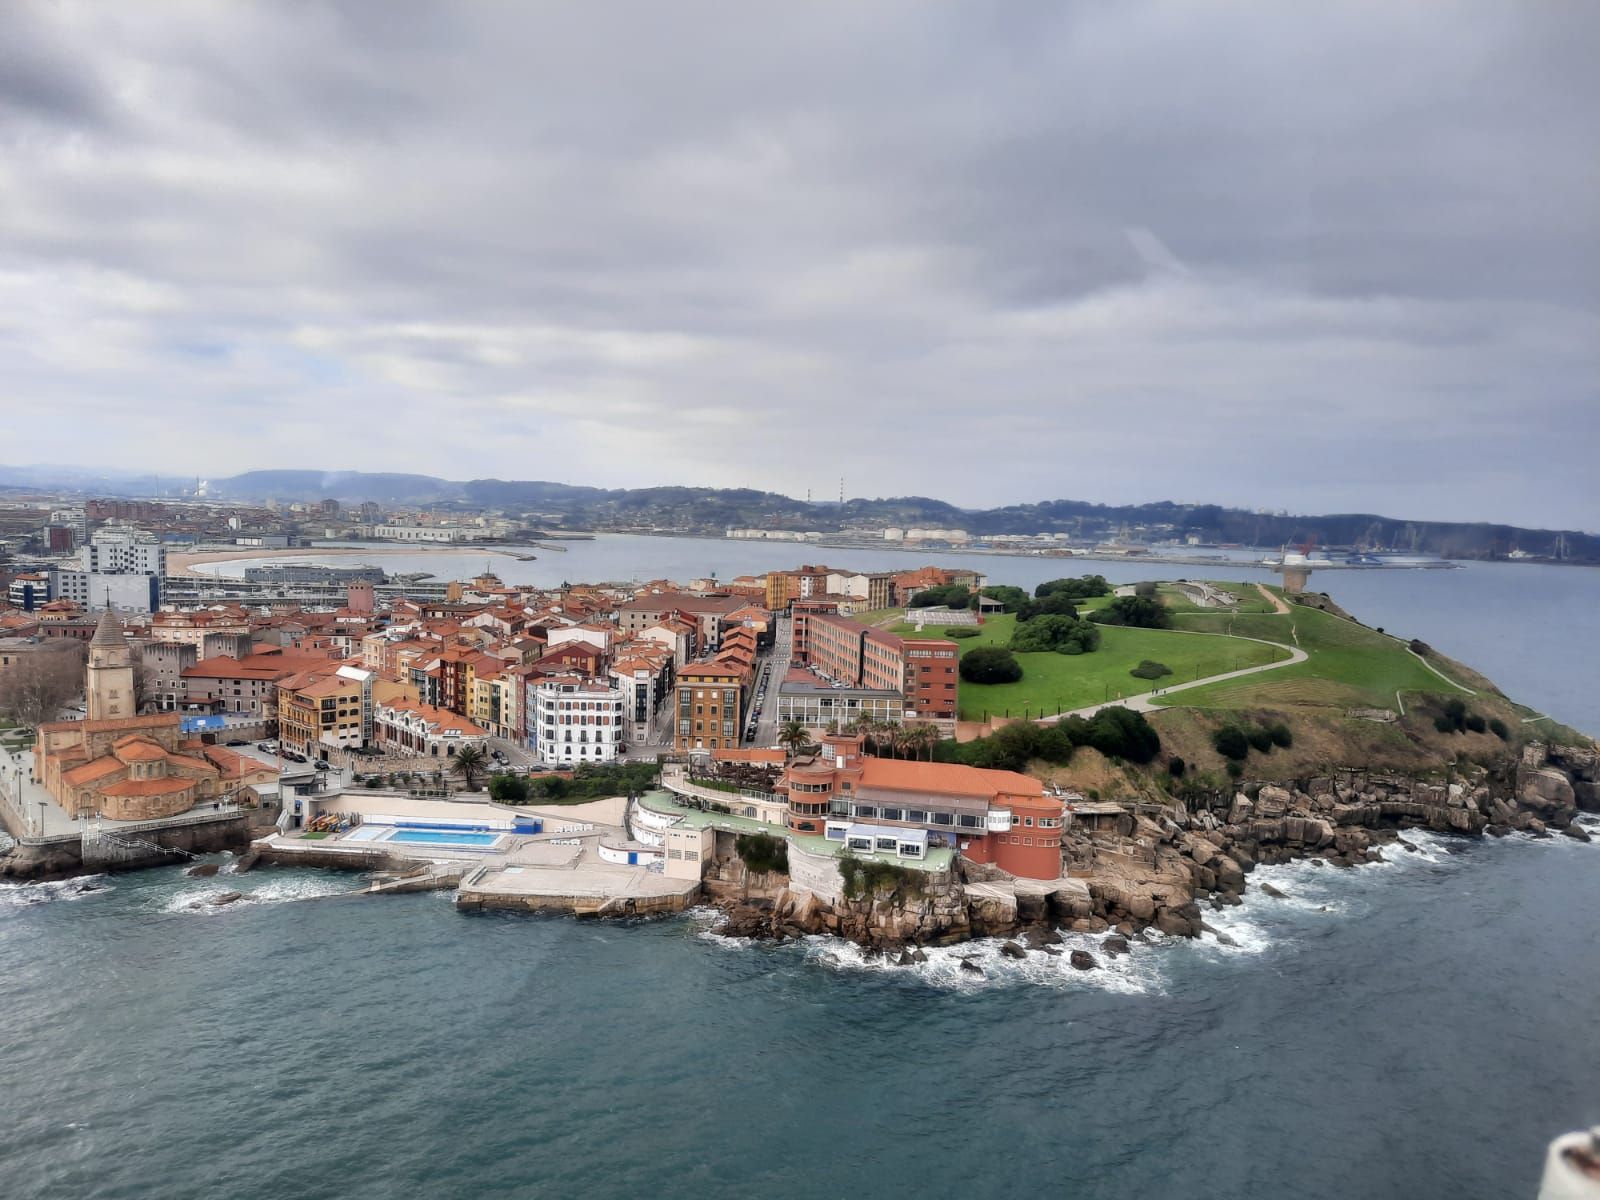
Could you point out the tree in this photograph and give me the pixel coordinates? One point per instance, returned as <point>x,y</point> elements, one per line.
<point>39,683</point>
<point>1141,612</point>
<point>470,762</point>
<point>508,789</point>
<point>951,596</point>
<point>923,737</point>
<point>1082,588</point>
<point>1012,597</point>
<point>991,664</point>
<point>1062,634</point>
<point>793,736</point>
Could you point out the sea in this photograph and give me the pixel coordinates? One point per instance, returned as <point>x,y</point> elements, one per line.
<point>1418,1028</point>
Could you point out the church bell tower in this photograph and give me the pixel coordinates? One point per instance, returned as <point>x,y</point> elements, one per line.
<point>108,687</point>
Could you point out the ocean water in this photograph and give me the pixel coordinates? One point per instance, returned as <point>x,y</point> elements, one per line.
<point>1415,1029</point>
<point>1533,629</point>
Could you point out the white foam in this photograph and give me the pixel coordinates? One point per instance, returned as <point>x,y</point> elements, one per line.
<point>273,891</point>
<point>80,887</point>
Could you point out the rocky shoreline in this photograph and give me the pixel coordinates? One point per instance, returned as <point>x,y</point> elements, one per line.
<point>1164,867</point>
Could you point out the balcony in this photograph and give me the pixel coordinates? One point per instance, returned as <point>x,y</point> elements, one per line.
<point>998,820</point>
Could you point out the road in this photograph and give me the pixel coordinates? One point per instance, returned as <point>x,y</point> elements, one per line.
<point>770,672</point>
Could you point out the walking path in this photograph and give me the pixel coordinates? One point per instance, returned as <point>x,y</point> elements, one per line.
<point>1142,702</point>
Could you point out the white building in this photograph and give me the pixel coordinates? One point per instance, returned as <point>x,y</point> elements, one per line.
<point>574,720</point>
<point>118,566</point>
<point>422,533</point>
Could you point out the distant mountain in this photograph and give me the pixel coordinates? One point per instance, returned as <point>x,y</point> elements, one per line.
<point>710,510</point>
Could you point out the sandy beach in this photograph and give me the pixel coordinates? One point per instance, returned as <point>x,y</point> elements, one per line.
<point>183,563</point>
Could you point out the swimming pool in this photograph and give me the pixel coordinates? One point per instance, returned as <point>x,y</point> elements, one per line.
<point>443,837</point>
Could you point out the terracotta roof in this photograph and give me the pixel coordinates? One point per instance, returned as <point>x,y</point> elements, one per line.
<point>905,775</point>
<point>90,771</point>
<point>135,748</point>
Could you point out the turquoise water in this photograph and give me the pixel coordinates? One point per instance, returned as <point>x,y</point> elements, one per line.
<point>443,837</point>
<point>1415,1029</point>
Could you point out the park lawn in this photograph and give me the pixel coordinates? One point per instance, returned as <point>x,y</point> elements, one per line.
<point>1060,682</point>
<point>1350,666</point>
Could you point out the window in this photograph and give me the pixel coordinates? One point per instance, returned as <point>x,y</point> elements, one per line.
<point>891,814</point>
<point>866,810</point>
<point>916,815</point>
<point>1028,821</point>
<point>941,818</point>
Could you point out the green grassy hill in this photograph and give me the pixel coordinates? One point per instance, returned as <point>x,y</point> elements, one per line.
<point>1060,682</point>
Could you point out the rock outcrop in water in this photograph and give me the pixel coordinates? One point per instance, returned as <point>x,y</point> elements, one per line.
<point>1160,864</point>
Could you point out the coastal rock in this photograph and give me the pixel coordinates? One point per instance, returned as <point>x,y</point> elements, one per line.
<point>1013,950</point>
<point>968,965</point>
<point>1269,890</point>
<point>202,870</point>
<point>247,862</point>
<point>1082,960</point>
<point>1115,946</point>
<point>225,898</point>
<point>1038,938</point>
<point>1577,833</point>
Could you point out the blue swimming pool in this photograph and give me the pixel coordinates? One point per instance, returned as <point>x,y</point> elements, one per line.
<point>443,837</point>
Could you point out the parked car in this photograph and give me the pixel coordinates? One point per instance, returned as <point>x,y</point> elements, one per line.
<point>238,742</point>
<point>320,765</point>
<point>267,746</point>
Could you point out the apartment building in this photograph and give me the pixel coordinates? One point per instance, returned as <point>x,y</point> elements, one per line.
<point>923,670</point>
<point>711,700</point>
<point>574,720</point>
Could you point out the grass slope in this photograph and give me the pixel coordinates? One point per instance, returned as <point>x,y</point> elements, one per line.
<point>1350,666</point>
<point>1061,682</point>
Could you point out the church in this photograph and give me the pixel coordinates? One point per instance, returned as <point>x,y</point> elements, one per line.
<point>122,766</point>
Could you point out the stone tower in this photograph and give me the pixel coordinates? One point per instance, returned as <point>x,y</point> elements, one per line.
<point>109,683</point>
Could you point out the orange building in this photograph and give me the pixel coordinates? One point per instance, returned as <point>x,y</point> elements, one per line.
<point>999,817</point>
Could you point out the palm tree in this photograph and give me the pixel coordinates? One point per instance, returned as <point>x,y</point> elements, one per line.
<point>922,737</point>
<point>470,762</point>
<point>793,735</point>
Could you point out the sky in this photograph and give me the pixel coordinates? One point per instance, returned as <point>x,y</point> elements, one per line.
<point>1333,257</point>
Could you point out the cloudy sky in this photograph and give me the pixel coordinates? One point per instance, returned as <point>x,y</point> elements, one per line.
<point>1315,257</point>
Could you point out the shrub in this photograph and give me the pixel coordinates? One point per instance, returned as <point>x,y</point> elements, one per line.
<point>1140,612</point>
<point>1150,669</point>
<point>1498,728</point>
<point>1176,767</point>
<point>1476,723</point>
<point>1235,769</point>
<point>1259,739</point>
<point>1231,743</point>
<point>1122,733</point>
<point>1057,632</point>
<point>1146,588</point>
<point>374,782</point>
<point>962,631</point>
<point>953,596</point>
<point>1417,646</point>
<point>1281,734</point>
<point>1455,718</point>
<point>508,789</point>
<point>761,852</point>
<point>1443,724</point>
<point>991,664</point>
<point>873,878</point>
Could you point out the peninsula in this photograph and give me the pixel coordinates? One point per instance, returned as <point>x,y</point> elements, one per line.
<point>902,758</point>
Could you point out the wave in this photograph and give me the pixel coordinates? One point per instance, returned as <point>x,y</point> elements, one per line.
<point>275,891</point>
<point>23,895</point>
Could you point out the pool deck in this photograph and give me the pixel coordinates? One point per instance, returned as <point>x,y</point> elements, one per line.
<point>559,871</point>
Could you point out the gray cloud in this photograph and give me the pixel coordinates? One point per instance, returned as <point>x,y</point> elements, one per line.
<point>1331,258</point>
